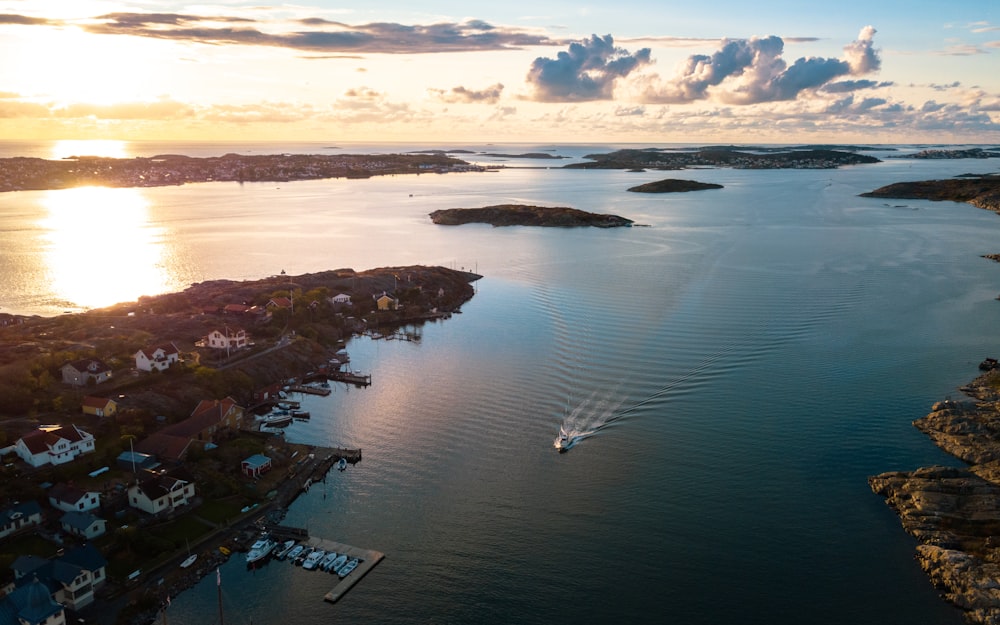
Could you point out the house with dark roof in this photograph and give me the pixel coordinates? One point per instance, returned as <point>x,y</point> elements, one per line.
<point>85,525</point>
<point>162,493</point>
<point>157,358</point>
<point>71,578</point>
<point>68,498</point>
<point>56,446</point>
<point>31,604</point>
<point>19,516</point>
<point>99,406</point>
<point>81,372</point>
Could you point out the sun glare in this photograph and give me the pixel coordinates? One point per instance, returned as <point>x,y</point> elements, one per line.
<point>100,247</point>
<point>109,148</point>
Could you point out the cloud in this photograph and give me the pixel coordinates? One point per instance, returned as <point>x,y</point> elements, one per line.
<point>586,71</point>
<point>846,86</point>
<point>751,71</point>
<point>24,20</point>
<point>962,49</point>
<point>323,36</point>
<point>489,95</point>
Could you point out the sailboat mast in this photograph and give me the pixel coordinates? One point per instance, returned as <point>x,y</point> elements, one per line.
<point>218,584</point>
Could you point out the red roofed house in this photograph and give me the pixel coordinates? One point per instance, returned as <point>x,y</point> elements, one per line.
<point>80,372</point>
<point>159,358</point>
<point>57,446</point>
<point>210,417</point>
<point>99,406</point>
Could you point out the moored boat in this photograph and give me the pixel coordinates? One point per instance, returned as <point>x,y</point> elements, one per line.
<point>276,419</point>
<point>300,414</point>
<point>325,563</point>
<point>188,561</point>
<point>347,568</point>
<point>285,549</point>
<point>314,559</point>
<point>338,563</point>
<point>342,464</point>
<point>261,548</point>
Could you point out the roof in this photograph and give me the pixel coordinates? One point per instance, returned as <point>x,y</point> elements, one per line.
<point>96,402</point>
<point>40,441</point>
<point>257,461</point>
<point>168,348</point>
<point>92,365</point>
<point>31,603</point>
<point>85,556</point>
<point>67,493</point>
<point>164,445</point>
<point>162,485</point>
<point>24,508</point>
<point>79,520</point>
<point>281,302</point>
<point>237,308</point>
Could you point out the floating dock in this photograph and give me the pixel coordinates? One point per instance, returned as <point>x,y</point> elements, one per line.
<point>367,559</point>
<point>311,390</point>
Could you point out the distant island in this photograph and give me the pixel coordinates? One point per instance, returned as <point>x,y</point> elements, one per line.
<point>34,174</point>
<point>980,191</point>
<point>674,185</point>
<point>522,215</point>
<point>952,154</point>
<point>656,158</point>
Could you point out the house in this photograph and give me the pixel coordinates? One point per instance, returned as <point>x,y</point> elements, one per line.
<point>81,372</point>
<point>342,299</point>
<point>162,445</point>
<point>19,516</point>
<point>157,358</point>
<point>235,309</point>
<point>387,303</point>
<point>162,493</point>
<point>71,579</point>
<point>267,392</point>
<point>99,406</point>
<point>31,604</point>
<point>57,446</point>
<point>84,525</point>
<point>256,465</point>
<point>209,417</point>
<point>69,498</point>
<point>279,302</point>
<point>228,339</point>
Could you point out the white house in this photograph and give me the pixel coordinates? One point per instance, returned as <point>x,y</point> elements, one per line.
<point>161,494</point>
<point>230,338</point>
<point>69,498</point>
<point>71,578</point>
<point>157,358</point>
<point>341,298</point>
<point>19,516</point>
<point>55,447</point>
<point>31,604</point>
<point>83,524</point>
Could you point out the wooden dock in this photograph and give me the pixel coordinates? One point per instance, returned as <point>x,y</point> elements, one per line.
<point>367,559</point>
<point>311,390</point>
<point>356,379</point>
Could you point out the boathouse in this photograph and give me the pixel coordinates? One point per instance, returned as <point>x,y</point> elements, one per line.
<point>256,465</point>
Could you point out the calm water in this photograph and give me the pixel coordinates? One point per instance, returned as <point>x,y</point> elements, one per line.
<point>740,367</point>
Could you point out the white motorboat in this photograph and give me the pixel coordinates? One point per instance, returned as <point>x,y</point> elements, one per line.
<point>276,419</point>
<point>341,464</point>
<point>347,568</point>
<point>325,563</point>
<point>261,548</point>
<point>285,549</point>
<point>295,552</point>
<point>564,441</point>
<point>314,559</point>
<point>338,563</point>
<point>188,561</point>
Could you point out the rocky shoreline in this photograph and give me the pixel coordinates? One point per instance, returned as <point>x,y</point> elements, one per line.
<point>521,215</point>
<point>954,513</point>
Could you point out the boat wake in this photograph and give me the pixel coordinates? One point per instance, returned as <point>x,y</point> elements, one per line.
<point>586,420</point>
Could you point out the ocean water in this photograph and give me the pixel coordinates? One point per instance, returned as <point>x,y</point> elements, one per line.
<point>736,368</point>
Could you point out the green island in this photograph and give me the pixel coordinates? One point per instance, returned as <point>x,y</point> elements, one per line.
<point>523,215</point>
<point>725,156</point>
<point>954,512</point>
<point>193,419</point>
<point>674,185</point>
<point>25,174</point>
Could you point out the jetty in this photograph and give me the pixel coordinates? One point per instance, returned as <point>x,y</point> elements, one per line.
<point>350,377</point>
<point>310,389</point>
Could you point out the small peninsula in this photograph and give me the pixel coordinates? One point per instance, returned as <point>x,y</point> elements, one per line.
<point>727,156</point>
<point>980,191</point>
<point>954,513</point>
<point>674,185</point>
<point>522,215</point>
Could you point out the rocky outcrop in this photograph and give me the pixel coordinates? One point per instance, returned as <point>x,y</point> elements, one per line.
<point>521,215</point>
<point>980,191</point>
<point>954,513</point>
<point>674,185</point>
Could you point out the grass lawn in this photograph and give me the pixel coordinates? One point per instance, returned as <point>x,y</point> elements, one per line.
<point>221,510</point>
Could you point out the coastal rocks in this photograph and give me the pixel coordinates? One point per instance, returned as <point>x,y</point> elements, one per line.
<point>967,581</point>
<point>980,191</point>
<point>522,215</point>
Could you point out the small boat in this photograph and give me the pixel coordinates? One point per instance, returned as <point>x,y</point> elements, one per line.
<point>224,551</point>
<point>347,568</point>
<point>325,563</point>
<point>294,553</point>
<point>301,558</point>
<point>563,441</point>
<point>285,549</point>
<point>300,414</point>
<point>261,548</point>
<point>288,404</point>
<point>276,419</point>
<point>188,561</point>
<point>313,560</point>
<point>338,563</point>
<point>342,464</point>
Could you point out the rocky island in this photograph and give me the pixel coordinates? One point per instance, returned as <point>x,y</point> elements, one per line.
<point>980,191</point>
<point>24,174</point>
<point>954,513</point>
<point>674,185</point>
<point>522,215</point>
<point>726,156</point>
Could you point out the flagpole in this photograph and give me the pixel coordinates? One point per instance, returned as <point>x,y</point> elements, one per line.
<point>218,584</point>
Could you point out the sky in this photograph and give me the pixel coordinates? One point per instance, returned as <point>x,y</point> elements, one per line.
<point>719,71</point>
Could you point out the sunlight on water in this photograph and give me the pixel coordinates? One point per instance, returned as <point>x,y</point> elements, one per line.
<point>100,248</point>
<point>108,148</point>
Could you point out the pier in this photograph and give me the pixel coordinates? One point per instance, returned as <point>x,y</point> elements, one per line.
<point>310,390</point>
<point>356,379</point>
